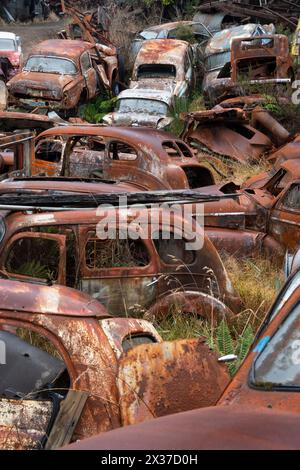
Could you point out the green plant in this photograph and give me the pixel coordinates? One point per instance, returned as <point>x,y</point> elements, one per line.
<point>35,269</point>
<point>95,110</point>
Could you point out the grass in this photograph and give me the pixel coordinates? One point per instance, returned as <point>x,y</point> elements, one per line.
<point>237,336</point>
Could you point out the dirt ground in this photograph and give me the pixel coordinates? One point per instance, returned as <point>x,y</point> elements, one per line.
<point>33,33</point>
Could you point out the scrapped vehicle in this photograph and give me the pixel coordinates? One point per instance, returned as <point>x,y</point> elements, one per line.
<point>269,376</point>
<point>212,428</point>
<point>138,107</point>
<point>77,370</point>
<point>255,62</point>
<point>174,30</point>
<point>146,158</point>
<point>59,74</point>
<point>11,53</point>
<point>262,396</point>
<point>234,131</point>
<point>165,64</point>
<point>129,276</point>
<point>217,55</point>
<point>265,215</point>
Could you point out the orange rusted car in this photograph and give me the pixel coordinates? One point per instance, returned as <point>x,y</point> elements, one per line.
<point>164,267</point>
<point>77,374</point>
<point>60,74</point>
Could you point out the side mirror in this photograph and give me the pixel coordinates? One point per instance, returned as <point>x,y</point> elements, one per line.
<point>228,358</point>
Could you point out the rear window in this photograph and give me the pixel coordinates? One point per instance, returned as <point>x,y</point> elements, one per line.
<point>45,64</point>
<point>131,341</point>
<point>156,71</point>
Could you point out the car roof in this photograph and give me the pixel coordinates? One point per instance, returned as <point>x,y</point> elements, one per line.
<point>53,300</point>
<point>213,428</point>
<point>6,35</point>
<point>138,135</point>
<point>67,48</point>
<point>221,41</point>
<point>166,51</point>
<point>168,26</point>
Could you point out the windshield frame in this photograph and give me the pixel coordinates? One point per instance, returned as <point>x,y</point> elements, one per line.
<point>117,110</point>
<point>268,339</point>
<point>51,57</point>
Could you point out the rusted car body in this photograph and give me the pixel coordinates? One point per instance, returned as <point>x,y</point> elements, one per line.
<point>213,428</point>
<point>269,376</point>
<point>234,132</point>
<point>73,356</point>
<point>59,74</point>
<point>260,402</point>
<point>15,149</point>
<point>146,158</point>
<point>217,52</point>
<point>142,107</point>
<point>259,61</point>
<point>266,210</point>
<point>164,64</point>
<point>171,30</point>
<point>152,273</point>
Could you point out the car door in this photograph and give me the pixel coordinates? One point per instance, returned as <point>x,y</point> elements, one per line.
<point>34,256</point>
<point>48,157</point>
<point>30,400</point>
<point>89,74</point>
<point>120,273</point>
<point>284,222</point>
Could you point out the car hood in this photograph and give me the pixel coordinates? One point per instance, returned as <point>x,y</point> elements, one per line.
<point>35,83</point>
<point>217,427</point>
<point>134,119</point>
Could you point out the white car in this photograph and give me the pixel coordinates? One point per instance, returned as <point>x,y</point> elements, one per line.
<point>141,107</point>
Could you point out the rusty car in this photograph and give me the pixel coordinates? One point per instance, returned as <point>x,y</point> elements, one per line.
<point>259,403</point>
<point>265,213</point>
<point>172,30</point>
<point>146,158</point>
<point>142,107</point>
<point>257,63</point>
<point>212,428</point>
<point>238,131</point>
<point>59,74</point>
<point>11,50</point>
<point>78,375</point>
<point>217,54</point>
<point>148,274</point>
<point>163,64</point>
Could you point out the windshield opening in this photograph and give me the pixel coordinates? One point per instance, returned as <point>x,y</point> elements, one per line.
<point>134,105</point>
<point>216,61</point>
<point>278,365</point>
<point>148,35</point>
<point>50,65</point>
<point>7,45</point>
<point>156,71</point>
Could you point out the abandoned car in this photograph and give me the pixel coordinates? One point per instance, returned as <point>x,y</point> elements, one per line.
<point>265,215</point>
<point>78,375</point>
<point>128,276</point>
<point>256,62</point>
<point>59,74</point>
<point>217,55</point>
<point>174,30</point>
<point>234,131</point>
<point>164,64</point>
<point>146,158</point>
<point>135,107</point>
<point>265,389</point>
